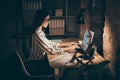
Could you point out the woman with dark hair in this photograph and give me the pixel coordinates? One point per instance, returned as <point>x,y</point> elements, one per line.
<point>41,21</point>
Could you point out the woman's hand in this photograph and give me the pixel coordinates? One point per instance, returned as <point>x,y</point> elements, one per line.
<point>72,43</point>
<point>72,48</point>
<point>67,44</point>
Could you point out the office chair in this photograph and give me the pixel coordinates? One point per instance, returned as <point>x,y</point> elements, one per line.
<point>22,60</point>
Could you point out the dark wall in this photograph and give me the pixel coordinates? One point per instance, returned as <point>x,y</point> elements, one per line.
<point>8,67</point>
<point>7,27</point>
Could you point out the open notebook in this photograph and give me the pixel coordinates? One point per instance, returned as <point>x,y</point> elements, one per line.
<point>84,42</point>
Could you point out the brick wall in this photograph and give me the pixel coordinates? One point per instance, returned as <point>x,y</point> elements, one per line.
<point>111,36</point>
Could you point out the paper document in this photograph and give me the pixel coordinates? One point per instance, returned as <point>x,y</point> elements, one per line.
<point>56,40</point>
<point>62,59</point>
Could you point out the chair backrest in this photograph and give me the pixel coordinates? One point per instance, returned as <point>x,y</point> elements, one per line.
<point>22,60</point>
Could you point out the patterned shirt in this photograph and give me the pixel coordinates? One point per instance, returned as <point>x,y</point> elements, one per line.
<point>41,46</point>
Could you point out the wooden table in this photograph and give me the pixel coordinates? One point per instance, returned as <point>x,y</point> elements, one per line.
<point>63,60</point>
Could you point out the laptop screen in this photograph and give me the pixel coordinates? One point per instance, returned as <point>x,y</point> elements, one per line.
<point>85,39</point>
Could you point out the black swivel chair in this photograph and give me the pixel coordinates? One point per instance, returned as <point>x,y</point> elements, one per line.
<point>22,60</point>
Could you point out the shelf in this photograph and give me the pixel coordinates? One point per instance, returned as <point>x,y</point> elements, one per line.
<point>64,9</point>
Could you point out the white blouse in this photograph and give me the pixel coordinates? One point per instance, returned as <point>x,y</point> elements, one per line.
<point>52,45</point>
<point>40,37</point>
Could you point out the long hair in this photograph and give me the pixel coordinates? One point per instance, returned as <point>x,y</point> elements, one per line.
<point>39,18</point>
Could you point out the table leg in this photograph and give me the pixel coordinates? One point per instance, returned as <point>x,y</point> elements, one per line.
<point>56,71</point>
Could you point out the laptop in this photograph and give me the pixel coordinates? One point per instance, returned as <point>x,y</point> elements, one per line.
<point>84,42</point>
